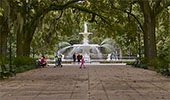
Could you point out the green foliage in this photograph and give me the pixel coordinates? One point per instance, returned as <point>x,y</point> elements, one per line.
<point>163,62</point>
<point>4,61</point>
<point>144,66</point>
<point>164,53</point>
<point>24,68</point>
<point>163,39</point>
<point>159,63</point>
<point>54,28</point>
<point>143,63</point>
<point>23,60</point>
<point>163,71</point>
<point>127,62</point>
<point>1,11</point>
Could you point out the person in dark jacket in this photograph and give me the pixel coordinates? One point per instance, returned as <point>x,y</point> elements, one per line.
<point>78,58</point>
<point>74,57</point>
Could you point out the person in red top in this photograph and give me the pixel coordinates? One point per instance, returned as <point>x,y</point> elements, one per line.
<point>82,62</point>
<point>43,62</point>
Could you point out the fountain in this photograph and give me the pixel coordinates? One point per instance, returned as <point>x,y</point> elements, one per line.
<point>86,48</point>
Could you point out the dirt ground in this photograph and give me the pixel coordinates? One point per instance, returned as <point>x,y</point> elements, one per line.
<point>96,82</point>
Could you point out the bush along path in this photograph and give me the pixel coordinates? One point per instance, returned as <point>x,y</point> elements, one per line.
<point>6,73</point>
<point>160,69</point>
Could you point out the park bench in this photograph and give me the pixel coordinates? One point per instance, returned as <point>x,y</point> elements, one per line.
<point>5,71</point>
<point>39,64</point>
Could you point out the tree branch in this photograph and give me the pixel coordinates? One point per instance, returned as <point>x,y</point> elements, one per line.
<point>59,16</point>
<point>129,13</point>
<point>56,6</point>
<point>93,18</point>
<point>53,6</point>
<point>161,8</point>
<point>91,12</point>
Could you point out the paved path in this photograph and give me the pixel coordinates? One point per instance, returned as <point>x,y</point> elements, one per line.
<point>97,82</point>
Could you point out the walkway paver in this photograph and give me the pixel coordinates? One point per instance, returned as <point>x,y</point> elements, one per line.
<point>97,82</point>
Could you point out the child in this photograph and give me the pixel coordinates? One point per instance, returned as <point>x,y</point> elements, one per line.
<point>59,61</point>
<point>56,61</point>
<point>82,62</point>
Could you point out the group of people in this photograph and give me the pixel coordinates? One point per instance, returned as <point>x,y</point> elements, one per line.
<point>43,62</point>
<point>79,58</point>
<point>58,61</point>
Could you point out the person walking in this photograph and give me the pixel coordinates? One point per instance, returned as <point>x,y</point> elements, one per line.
<point>59,61</point>
<point>56,61</point>
<point>82,63</point>
<point>74,58</point>
<point>78,58</point>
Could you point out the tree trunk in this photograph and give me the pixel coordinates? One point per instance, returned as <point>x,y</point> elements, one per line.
<point>26,48</point>
<point>24,42</point>
<point>149,31</point>
<point>3,40</point>
<point>149,37</point>
<point>153,51</point>
<point>146,46</point>
<point>19,51</point>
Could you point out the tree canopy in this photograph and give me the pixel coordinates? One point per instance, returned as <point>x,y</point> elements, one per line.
<point>44,23</point>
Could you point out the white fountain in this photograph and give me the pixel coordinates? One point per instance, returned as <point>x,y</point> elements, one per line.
<point>86,48</point>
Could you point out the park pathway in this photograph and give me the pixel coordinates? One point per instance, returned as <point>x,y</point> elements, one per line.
<point>97,82</point>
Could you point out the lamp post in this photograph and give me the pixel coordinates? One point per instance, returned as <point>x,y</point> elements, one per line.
<point>139,43</point>
<point>10,47</point>
<point>129,50</point>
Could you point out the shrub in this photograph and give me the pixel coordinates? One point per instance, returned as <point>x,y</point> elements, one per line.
<point>164,53</point>
<point>144,66</point>
<point>23,60</point>
<point>128,62</point>
<point>163,61</point>
<point>4,61</point>
<point>165,72</point>
<point>20,69</point>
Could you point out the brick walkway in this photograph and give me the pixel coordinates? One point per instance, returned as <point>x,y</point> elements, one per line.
<point>97,82</point>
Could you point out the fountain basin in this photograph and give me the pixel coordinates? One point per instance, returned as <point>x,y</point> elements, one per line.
<point>85,46</point>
